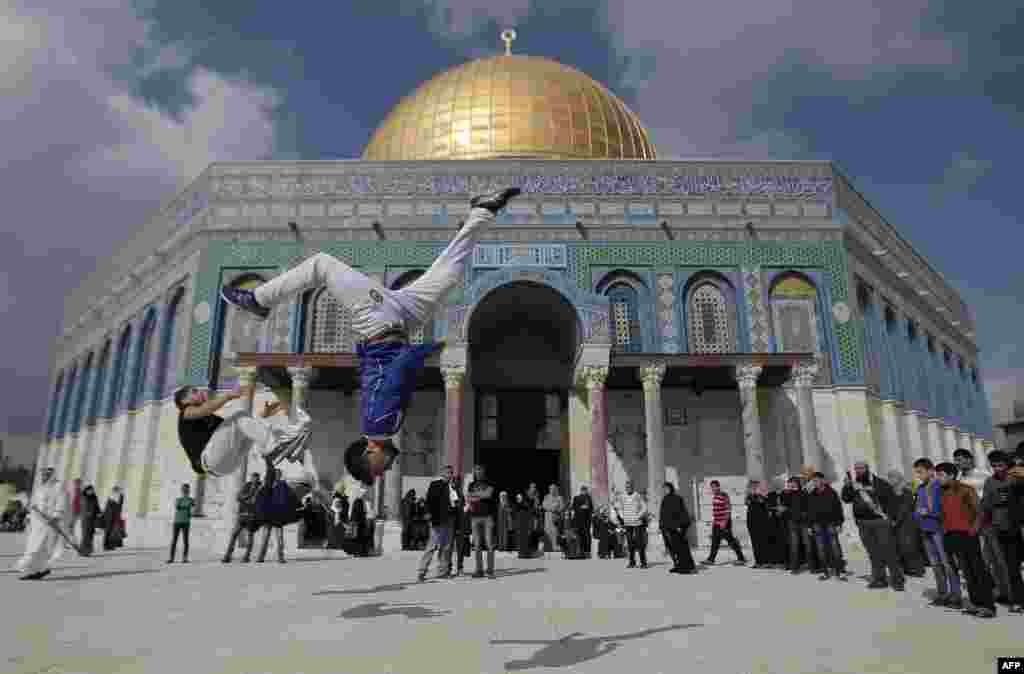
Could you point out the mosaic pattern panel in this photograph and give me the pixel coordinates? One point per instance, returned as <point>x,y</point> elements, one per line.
<point>576,183</point>
<point>665,301</point>
<point>757,315</point>
<point>828,255</point>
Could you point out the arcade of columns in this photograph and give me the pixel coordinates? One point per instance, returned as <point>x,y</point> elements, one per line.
<point>590,382</point>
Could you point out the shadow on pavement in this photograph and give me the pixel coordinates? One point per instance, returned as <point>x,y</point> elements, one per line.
<point>393,587</point>
<point>398,587</point>
<point>576,648</point>
<point>382,609</point>
<point>103,574</point>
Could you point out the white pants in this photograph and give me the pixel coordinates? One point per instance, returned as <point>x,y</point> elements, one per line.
<point>376,309</point>
<point>241,432</point>
<point>43,547</point>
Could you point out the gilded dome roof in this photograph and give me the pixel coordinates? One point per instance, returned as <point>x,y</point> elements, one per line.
<point>510,106</point>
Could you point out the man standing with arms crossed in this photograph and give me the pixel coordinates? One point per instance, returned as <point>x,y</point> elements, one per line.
<point>480,500</point>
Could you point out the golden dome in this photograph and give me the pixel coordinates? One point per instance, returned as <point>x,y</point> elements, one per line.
<point>510,106</point>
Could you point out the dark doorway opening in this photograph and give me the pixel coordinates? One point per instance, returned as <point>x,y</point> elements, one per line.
<point>519,439</point>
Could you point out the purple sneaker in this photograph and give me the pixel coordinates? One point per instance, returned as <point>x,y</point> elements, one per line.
<point>244,300</point>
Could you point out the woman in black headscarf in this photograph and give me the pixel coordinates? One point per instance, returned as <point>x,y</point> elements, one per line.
<point>90,518</point>
<point>113,534</point>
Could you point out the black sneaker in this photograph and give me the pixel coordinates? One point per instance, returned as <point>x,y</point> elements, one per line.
<point>985,613</point>
<point>941,602</point>
<point>244,300</point>
<point>878,585</point>
<point>824,576</point>
<point>495,201</point>
<point>1018,609</point>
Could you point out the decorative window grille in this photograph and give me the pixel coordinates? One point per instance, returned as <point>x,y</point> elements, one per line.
<point>794,316</point>
<point>332,323</point>
<point>709,320</point>
<point>625,326</point>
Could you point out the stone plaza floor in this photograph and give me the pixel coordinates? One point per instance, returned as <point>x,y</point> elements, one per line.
<point>129,612</point>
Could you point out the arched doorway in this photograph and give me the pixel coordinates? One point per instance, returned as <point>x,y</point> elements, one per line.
<point>523,339</point>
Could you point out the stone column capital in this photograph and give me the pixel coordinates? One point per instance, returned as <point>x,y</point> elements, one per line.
<point>652,374</point>
<point>593,376</point>
<point>804,374</point>
<point>246,375</point>
<point>301,376</point>
<point>747,375</point>
<point>454,376</point>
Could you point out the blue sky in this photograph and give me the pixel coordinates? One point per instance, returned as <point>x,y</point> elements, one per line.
<point>121,103</point>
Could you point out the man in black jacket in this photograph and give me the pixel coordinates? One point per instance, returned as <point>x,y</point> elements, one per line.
<point>246,518</point>
<point>792,511</point>
<point>674,519</point>
<point>582,519</point>
<point>825,516</point>
<point>444,501</point>
<point>873,509</point>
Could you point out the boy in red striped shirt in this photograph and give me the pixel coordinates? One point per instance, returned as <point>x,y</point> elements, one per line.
<point>721,525</point>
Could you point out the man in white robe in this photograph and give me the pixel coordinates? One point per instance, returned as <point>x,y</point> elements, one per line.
<point>44,545</point>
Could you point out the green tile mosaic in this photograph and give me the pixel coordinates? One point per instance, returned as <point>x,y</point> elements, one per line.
<point>827,255</point>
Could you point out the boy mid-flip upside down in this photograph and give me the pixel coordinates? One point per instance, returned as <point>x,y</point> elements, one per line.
<point>382,317</point>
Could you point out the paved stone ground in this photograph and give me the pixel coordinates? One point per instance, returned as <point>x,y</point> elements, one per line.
<point>127,612</point>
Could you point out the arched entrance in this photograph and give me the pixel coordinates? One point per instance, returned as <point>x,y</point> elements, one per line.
<point>523,339</point>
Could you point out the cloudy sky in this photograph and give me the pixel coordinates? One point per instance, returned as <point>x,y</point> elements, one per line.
<point>111,108</point>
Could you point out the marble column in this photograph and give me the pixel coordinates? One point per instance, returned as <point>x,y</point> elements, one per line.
<point>803,376</point>
<point>246,377</point>
<point>891,451</point>
<point>301,376</point>
<point>936,445</point>
<point>915,446</point>
<point>595,377</point>
<point>964,441</point>
<point>746,377</point>
<point>654,423</point>
<point>949,434</point>
<point>393,484</point>
<point>454,377</point>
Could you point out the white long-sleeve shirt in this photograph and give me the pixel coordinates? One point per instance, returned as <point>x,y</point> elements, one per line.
<point>631,508</point>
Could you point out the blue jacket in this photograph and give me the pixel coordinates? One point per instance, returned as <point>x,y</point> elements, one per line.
<point>388,371</point>
<point>930,496</point>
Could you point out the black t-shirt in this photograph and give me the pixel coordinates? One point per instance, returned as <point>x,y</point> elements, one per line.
<point>483,507</point>
<point>194,434</point>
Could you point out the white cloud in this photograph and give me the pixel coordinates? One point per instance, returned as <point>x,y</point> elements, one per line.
<point>88,162</point>
<point>229,121</point>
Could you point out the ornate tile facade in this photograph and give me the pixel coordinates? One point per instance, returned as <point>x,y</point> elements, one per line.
<point>757,314</point>
<point>666,312</point>
<point>825,255</point>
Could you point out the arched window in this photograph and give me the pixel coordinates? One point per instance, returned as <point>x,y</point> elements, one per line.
<point>142,365</point>
<point>425,331</point>
<point>241,331</point>
<point>625,319</point>
<point>794,315</point>
<point>55,402</point>
<point>99,385</point>
<point>117,392</point>
<point>330,325</point>
<point>711,318</point>
<point>79,409</point>
<point>68,401</point>
<point>174,337</point>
